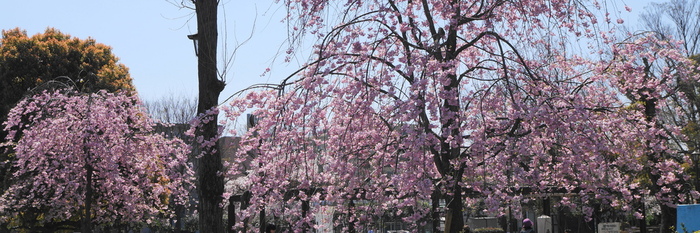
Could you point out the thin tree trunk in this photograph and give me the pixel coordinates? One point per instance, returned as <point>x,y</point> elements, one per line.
<point>263,223</point>
<point>351,221</point>
<point>87,217</point>
<point>86,221</point>
<point>643,221</point>
<point>231,216</point>
<point>305,207</point>
<point>210,184</point>
<point>179,211</point>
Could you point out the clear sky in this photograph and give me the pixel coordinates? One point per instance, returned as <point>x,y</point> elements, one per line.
<point>150,37</point>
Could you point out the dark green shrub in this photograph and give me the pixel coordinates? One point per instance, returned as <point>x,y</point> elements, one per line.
<point>488,230</point>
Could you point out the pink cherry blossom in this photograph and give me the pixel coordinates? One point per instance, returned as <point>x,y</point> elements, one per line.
<point>66,143</point>
<point>448,99</point>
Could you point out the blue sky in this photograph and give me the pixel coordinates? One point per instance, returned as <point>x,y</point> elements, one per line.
<point>150,37</point>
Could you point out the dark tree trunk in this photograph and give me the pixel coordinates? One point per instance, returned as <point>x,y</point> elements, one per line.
<point>454,216</point>
<point>263,223</point>
<point>231,217</point>
<point>435,213</point>
<point>86,224</point>
<point>210,184</point>
<point>305,207</point>
<point>351,218</point>
<point>451,126</point>
<point>668,214</point>
<point>643,221</point>
<point>454,221</point>
<point>179,211</point>
<point>668,218</point>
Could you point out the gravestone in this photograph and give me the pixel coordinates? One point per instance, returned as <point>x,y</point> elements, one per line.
<point>483,222</point>
<point>544,224</point>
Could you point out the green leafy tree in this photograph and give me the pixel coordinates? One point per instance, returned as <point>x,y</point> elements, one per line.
<point>27,62</point>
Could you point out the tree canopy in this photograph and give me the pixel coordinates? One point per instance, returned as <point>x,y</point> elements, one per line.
<point>678,20</point>
<point>91,158</point>
<point>407,102</point>
<point>27,62</point>
<point>29,65</point>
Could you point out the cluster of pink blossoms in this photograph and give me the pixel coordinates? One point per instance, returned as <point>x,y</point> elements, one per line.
<point>67,143</point>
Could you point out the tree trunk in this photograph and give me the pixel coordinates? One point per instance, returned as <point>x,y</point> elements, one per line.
<point>210,184</point>
<point>179,211</point>
<point>86,224</point>
<point>668,214</point>
<point>305,207</point>
<point>454,219</point>
<point>231,216</point>
<point>450,112</point>
<point>643,221</point>
<point>668,219</point>
<point>263,223</point>
<point>435,213</point>
<point>86,221</point>
<point>351,218</point>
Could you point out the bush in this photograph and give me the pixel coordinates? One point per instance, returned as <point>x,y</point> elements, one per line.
<point>489,230</point>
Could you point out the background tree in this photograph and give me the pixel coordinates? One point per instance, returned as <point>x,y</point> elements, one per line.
<point>173,114</point>
<point>26,62</point>
<point>679,20</point>
<point>92,159</point>
<point>675,19</point>
<point>410,101</point>
<point>174,109</point>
